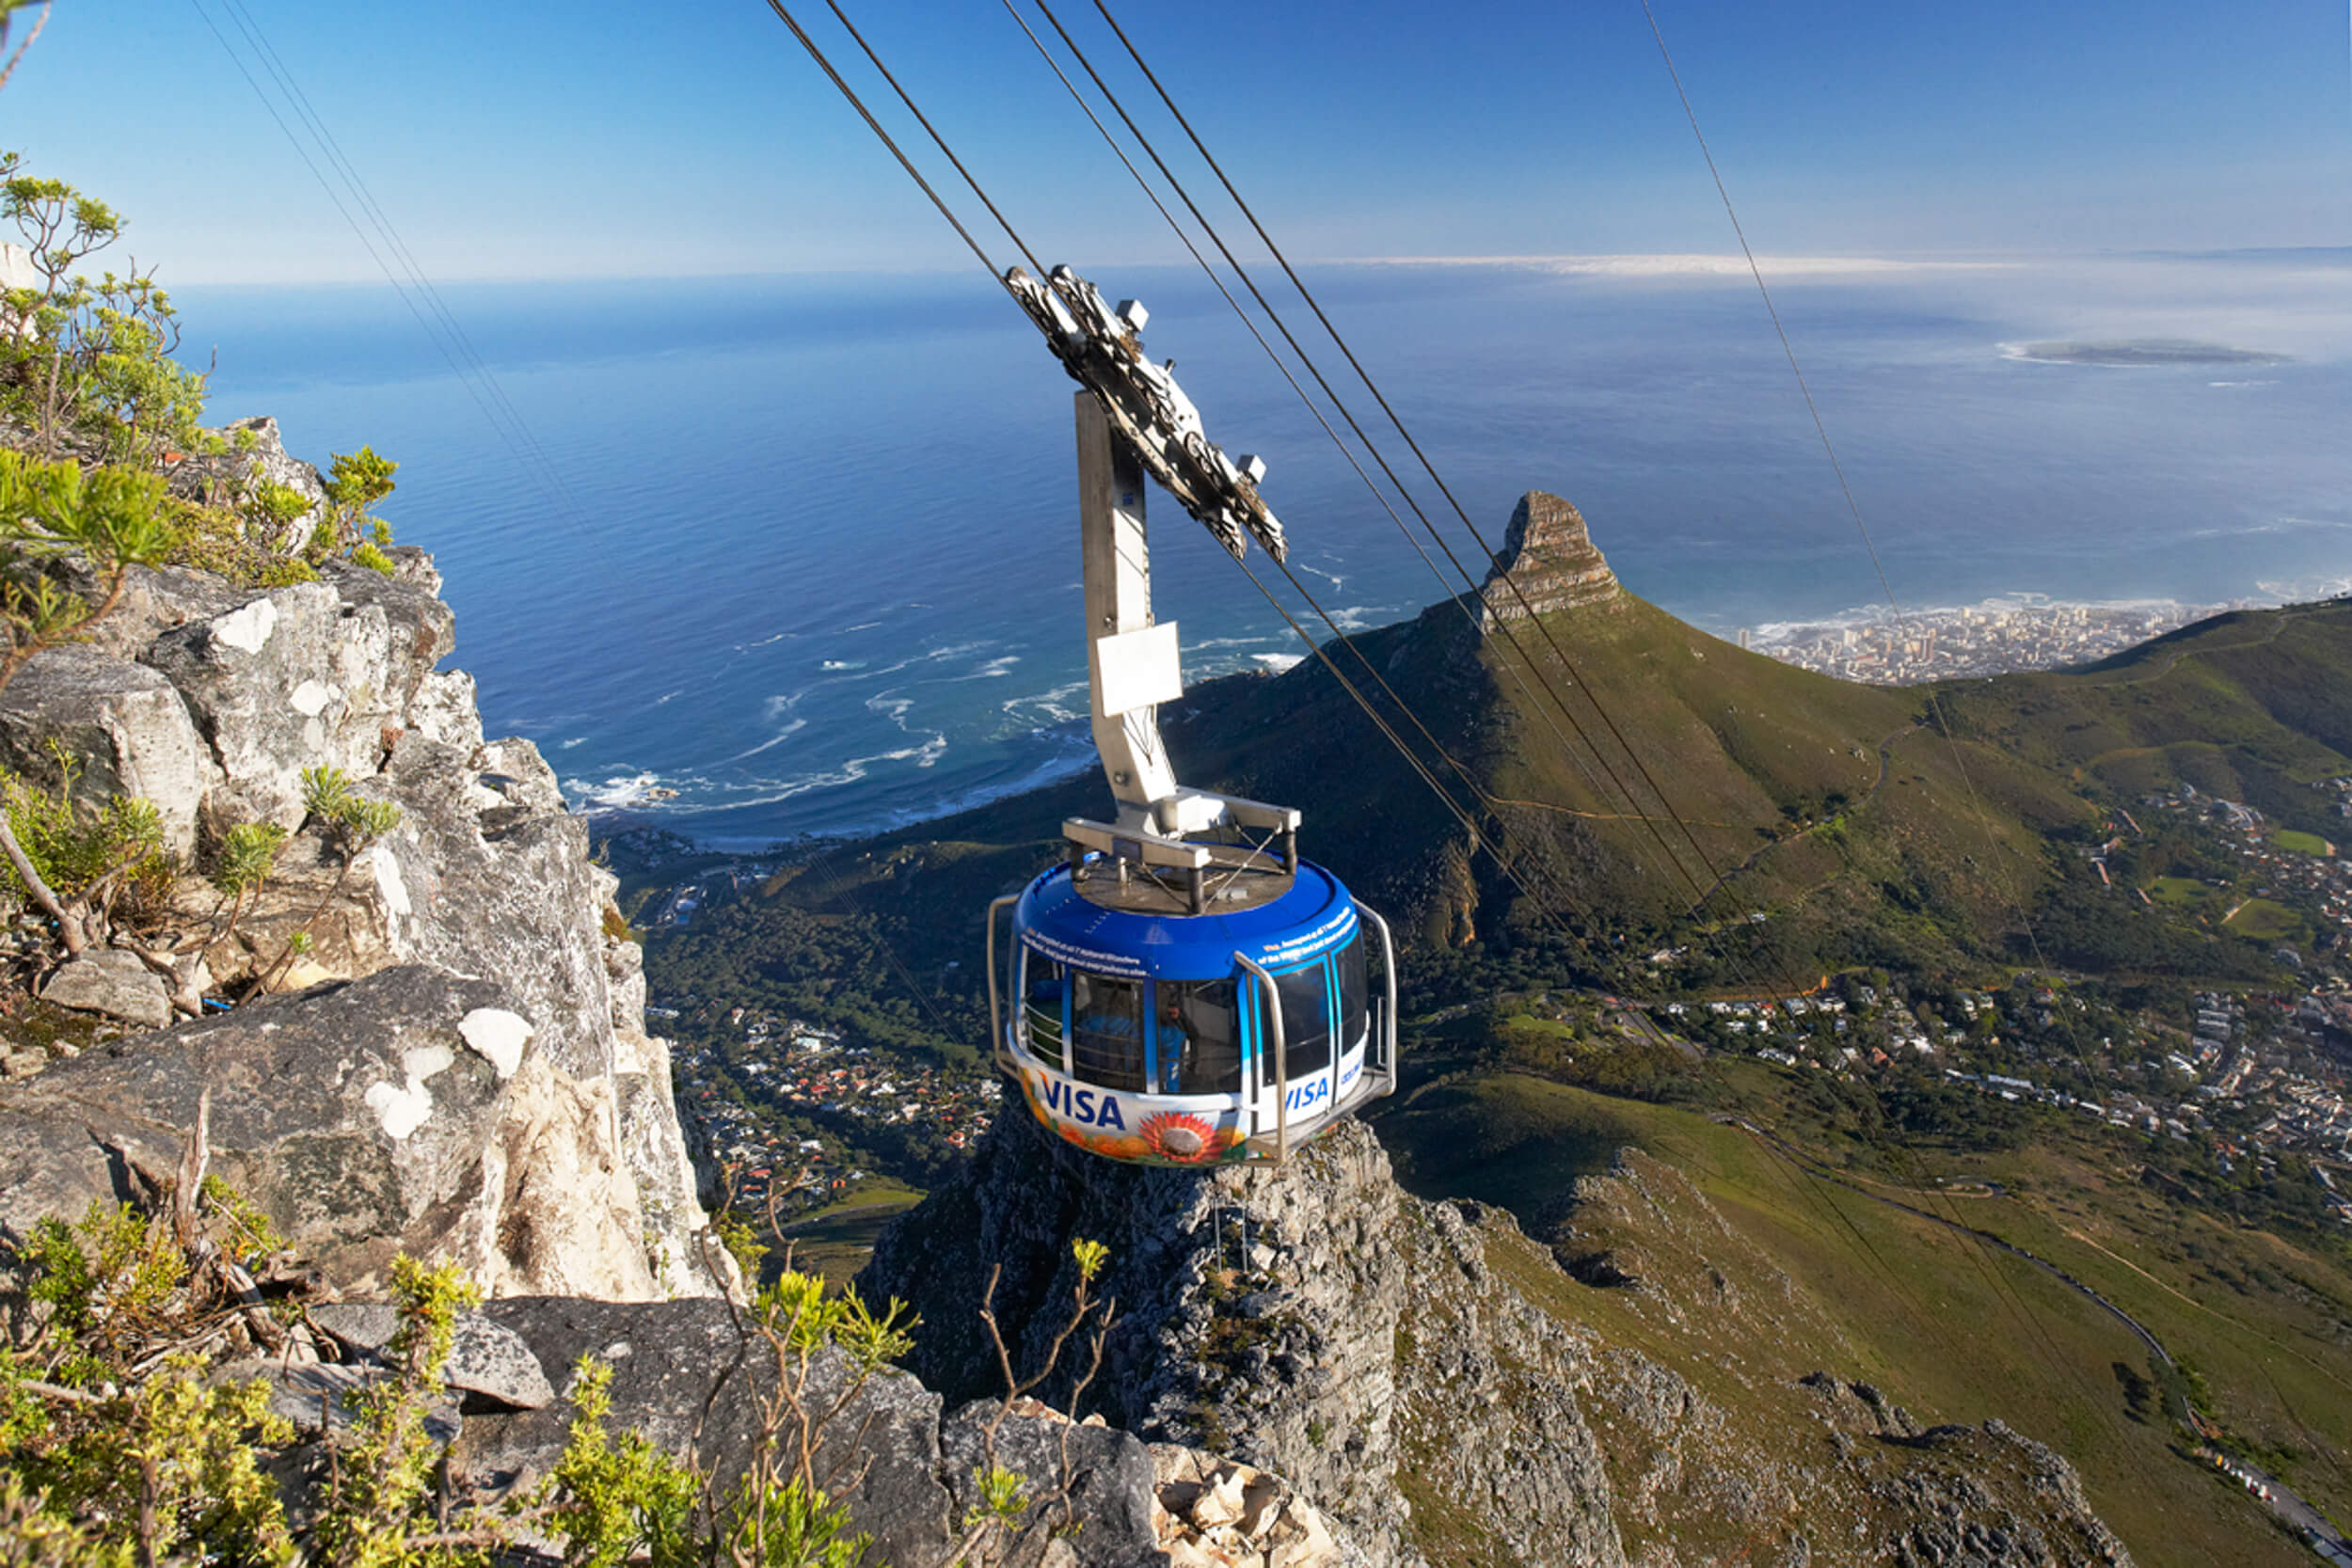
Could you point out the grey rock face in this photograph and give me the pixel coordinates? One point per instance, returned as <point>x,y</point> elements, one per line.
<point>210,700</point>
<point>1110,1482</point>
<point>2032,1515</point>
<point>112,983</point>
<point>318,1398</point>
<point>685,1378</point>
<point>312,676</point>
<point>1262,1314</point>
<point>362,1121</point>
<point>1550,563</point>
<point>122,724</point>
<point>462,882</point>
<point>486,1359</point>
<point>1491,1392</point>
<point>1419,1372</point>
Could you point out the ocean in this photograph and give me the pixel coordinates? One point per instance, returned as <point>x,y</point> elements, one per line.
<point>787,556</point>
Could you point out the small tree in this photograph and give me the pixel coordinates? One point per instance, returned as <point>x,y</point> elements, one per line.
<point>141,401</point>
<point>355,482</point>
<point>61,226</point>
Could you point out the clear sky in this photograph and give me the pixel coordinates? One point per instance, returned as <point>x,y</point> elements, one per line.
<point>525,140</point>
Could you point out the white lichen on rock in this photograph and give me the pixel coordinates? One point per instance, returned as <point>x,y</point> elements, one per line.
<point>246,629</point>
<point>498,1035</point>
<point>402,1108</point>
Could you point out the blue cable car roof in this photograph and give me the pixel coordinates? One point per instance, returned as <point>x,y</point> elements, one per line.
<point>1312,918</point>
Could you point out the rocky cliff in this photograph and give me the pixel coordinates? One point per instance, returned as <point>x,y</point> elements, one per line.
<point>1550,561</point>
<point>1421,1372</point>
<point>460,1068</point>
<point>451,1063</point>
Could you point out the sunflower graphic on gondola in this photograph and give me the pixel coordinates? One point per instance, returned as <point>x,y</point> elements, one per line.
<point>1180,1137</point>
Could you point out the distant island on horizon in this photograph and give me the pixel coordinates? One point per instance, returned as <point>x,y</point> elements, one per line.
<point>2137,352</point>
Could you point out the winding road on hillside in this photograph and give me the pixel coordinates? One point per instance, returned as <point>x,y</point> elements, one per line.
<point>2276,627</point>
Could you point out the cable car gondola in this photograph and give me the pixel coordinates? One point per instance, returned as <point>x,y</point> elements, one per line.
<point>1183,988</point>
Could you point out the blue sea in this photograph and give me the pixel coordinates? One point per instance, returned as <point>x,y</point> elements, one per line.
<point>802,551</point>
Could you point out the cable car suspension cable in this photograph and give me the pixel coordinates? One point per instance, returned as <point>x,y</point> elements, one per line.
<point>1828,448</point>
<point>1701,892</point>
<point>1018,242</point>
<point>1111,96</point>
<point>1853,506</point>
<point>783,15</point>
<point>817,53</point>
<point>1387,729</point>
<point>455,352</point>
<point>1532,666</point>
<point>1478,838</point>
<point>550,475</point>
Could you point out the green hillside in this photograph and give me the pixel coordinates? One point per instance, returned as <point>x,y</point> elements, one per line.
<point>2253,707</point>
<point>1725,1260</point>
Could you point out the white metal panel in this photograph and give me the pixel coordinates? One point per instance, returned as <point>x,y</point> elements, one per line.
<point>1139,668</point>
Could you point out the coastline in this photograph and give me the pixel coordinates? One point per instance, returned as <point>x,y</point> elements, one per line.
<point>2016,632</point>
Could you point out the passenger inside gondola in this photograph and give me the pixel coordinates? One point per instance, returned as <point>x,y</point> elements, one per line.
<point>1200,1045</point>
<point>1106,1031</point>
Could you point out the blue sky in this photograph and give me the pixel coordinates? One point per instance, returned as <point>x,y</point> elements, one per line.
<point>597,139</point>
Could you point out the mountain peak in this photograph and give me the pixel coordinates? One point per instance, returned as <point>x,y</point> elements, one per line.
<point>1551,558</point>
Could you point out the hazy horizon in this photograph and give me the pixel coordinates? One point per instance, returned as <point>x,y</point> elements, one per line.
<point>601,140</point>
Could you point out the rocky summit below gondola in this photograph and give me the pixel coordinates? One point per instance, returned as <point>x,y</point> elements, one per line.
<point>1418,1369</point>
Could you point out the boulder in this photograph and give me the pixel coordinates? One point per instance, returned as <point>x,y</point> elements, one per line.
<point>1302,1381</point>
<point>1097,1476</point>
<point>464,882</point>
<point>363,1121</point>
<point>117,984</point>
<point>689,1379</point>
<point>121,725</point>
<point>318,1398</point>
<point>55,1165</point>
<point>486,1360</point>
<point>154,600</point>
<point>316,675</point>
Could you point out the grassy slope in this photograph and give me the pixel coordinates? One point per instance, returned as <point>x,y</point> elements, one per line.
<point>2250,706</point>
<point>1951,1329</point>
<point>836,1241</point>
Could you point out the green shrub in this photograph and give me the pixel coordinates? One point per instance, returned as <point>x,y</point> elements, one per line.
<point>221,539</point>
<point>95,357</point>
<point>115,1447</point>
<point>118,848</point>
